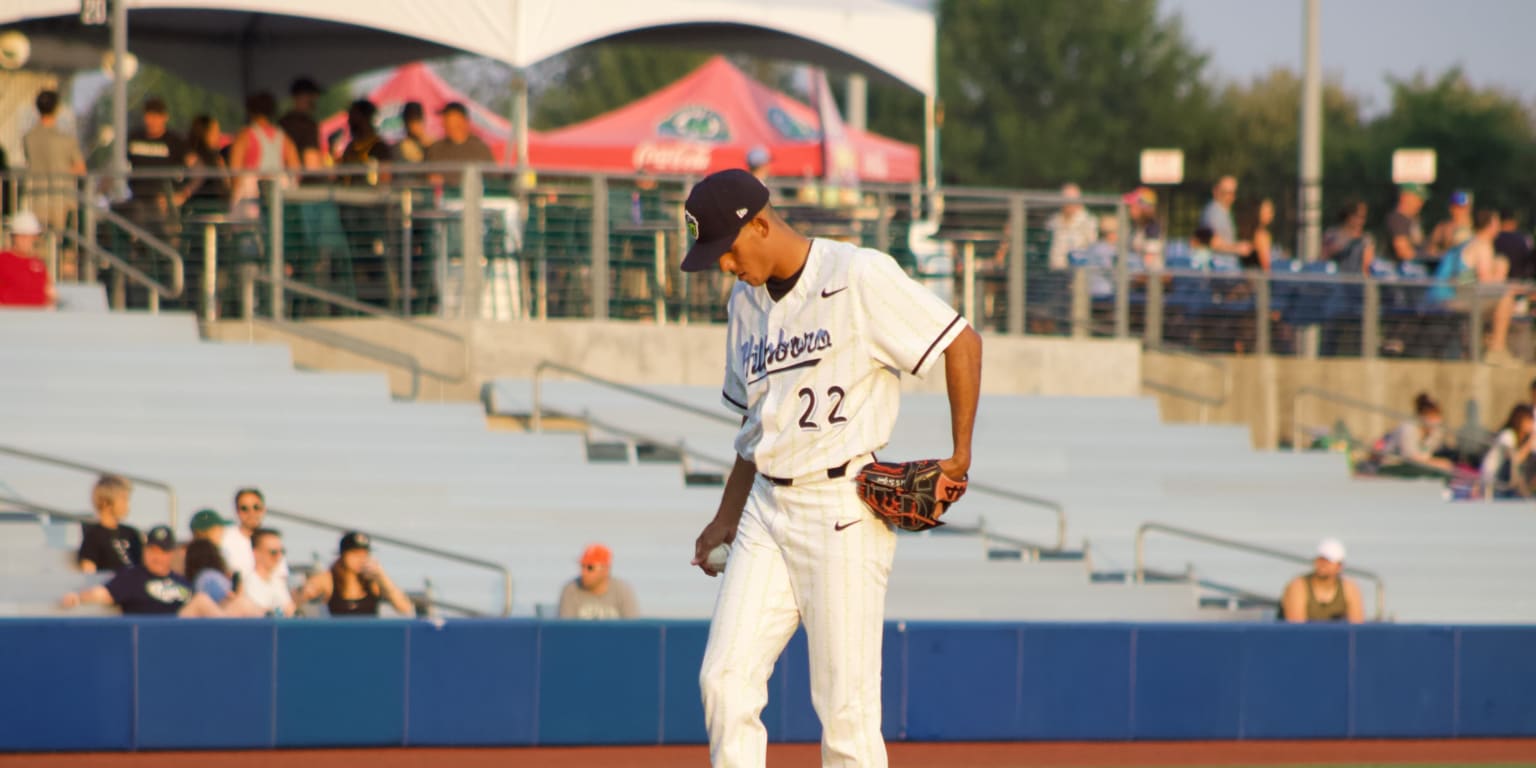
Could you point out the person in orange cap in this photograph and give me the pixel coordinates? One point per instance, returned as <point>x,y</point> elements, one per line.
<point>595,594</point>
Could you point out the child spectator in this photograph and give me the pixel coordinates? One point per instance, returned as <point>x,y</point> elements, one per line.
<point>109,544</point>
<point>1420,440</point>
<point>1500,475</point>
<point>149,589</point>
<point>595,594</point>
<point>355,583</point>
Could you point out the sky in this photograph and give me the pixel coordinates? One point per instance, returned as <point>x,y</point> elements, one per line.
<point>1365,41</point>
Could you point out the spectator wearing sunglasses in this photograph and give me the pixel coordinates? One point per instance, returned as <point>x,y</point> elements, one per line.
<point>251,512</point>
<point>266,584</point>
<point>595,594</point>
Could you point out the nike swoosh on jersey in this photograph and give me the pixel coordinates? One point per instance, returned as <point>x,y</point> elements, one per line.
<point>841,526</point>
<point>826,294</point>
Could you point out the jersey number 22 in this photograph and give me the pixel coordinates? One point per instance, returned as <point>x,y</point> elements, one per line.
<point>835,394</point>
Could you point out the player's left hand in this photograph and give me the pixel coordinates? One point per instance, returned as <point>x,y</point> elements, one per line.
<point>955,467</point>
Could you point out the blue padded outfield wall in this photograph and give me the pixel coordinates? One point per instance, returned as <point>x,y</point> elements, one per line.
<point>119,684</point>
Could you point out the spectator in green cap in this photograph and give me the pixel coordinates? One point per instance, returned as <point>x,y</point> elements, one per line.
<point>1404,232</point>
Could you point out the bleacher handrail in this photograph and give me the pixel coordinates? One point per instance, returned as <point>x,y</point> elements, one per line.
<point>536,417</point>
<point>1055,507</point>
<point>44,511</point>
<point>59,461</point>
<point>1249,548</point>
<point>157,290</point>
<point>457,557</point>
<point>145,237</point>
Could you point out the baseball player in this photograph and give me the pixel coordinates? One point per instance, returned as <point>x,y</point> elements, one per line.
<point>819,335</point>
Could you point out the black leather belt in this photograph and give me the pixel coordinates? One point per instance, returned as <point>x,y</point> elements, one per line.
<point>832,474</point>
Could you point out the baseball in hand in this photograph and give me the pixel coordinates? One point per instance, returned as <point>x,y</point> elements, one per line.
<point>716,558</point>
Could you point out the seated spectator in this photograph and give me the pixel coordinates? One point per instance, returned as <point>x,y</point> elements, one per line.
<point>1515,247</point>
<point>1200,248</point>
<point>595,594</point>
<point>109,544</point>
<point>207,573</point>
<point>266,584</point>
<point>1474,274</point>
<point>1346,242</point>
<point>1420,440</point>
<point>1500,476</point>
<point>1072,228</point>
<point>1324,594</point>
<point>1146,233</point>
<point>1457,228</point>
<point>24,280</point>
<point>355,582</point>
<point>149,589</point>
<point>1256,228</point>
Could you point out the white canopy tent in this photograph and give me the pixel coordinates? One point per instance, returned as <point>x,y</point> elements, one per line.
<point>239,46</point>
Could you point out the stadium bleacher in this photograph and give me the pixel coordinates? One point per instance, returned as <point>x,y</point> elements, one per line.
<point>142,394</point>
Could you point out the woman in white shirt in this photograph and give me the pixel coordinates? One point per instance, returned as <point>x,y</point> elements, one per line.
<point>1502,478</point>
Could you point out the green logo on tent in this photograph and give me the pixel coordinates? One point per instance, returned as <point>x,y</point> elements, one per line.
<point>790,128</point>
<point>696,124</point>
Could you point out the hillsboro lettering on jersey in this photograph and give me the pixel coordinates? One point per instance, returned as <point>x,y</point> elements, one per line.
<point>758,355</point>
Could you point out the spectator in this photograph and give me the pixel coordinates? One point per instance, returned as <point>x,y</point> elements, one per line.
<point>365,147</point>
<point>1404,233</point>
<point>52,157</point>
<point>299,125</point>
<point>595,594</point>
<point>207,525</point>
<point>266,585</point>
<point>355,582</point>
<point>209,575</point>
<point>1456,229</point>
<point>1515,247</point>
<point>1475,272</point>
<point>458,144</point>
<point>758,160</point>
<point>1420,440</point>
<point>1324,594</point>
<point>153,150</point>
<point>210,185</point>
<point>1509,451</point>
<point>149,589</point>
<point>1146,233</point>
<point>261,151</point>
<point>1217,217</point>
<point>413,148</point>
<point>1346,243</point>
<point>109,544</point>
<point>1072,228</point>
<point>23,275</point>
<point>1259,237</point>
<point>1200,248</point>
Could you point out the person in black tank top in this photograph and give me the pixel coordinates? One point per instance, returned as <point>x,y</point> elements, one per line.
<point>355,584</point>
<point>1324,594</point>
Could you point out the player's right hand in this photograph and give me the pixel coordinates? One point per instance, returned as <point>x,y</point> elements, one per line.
<point>716,533</point>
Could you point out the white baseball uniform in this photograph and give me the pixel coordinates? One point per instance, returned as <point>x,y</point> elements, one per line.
<point>816,375</point>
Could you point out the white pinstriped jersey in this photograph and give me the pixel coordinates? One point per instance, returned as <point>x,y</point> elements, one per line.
<point>817,373</point>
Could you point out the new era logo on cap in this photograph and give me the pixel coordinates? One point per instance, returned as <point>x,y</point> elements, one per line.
<point>717,208</point>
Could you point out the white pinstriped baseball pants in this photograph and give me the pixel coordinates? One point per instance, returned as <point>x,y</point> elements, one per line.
<point>790,564</point>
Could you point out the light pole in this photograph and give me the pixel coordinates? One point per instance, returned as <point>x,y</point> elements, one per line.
<point>1311,161</point>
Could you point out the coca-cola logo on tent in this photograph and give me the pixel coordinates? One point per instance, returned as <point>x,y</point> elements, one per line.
<point>669,157</point>
<point>695,123</point>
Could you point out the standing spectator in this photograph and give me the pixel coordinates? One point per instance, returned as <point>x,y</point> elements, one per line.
<point>758,160</point>
<point>53,156</point>
<point>355,582</point>
<point>1324,594</point>
<point>154,149</point>
<point>299,125</point>
<point>1072,228</point>
<point>595,594</point>
<point>250,510</point>
<point>23,275</point>
<point>109,544</point>
<point>1146,233</point>
<point>1259,237</point>
<point>458,144</point>
<point>149,589</point>
<point>1500,470</point>
<point>413,148</point>
<point>266,585</point>
<point>1420,440</point>
<point>1515,247</point>
<point>1405,235</point>
<point>262,152</point>
<point>365,146</point>
<point>210,185</point>
<point>1346,243</point>
<point>1456,229</point>
<point>1217,217</point>
<point>1477,275</point>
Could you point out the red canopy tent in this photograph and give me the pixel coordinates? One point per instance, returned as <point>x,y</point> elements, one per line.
<point>416,82</point>
<point>709,121</point>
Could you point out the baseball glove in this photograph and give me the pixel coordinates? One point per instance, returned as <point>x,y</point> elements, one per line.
<point>911,495</point>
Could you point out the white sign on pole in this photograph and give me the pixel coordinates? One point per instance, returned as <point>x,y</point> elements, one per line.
<point>93,13</point>
<point>1413,166</point>
<point>1162,166</point>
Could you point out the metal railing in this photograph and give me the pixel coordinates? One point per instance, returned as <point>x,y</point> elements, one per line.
<point>43,512</point>
<point>123,271</point>
<point>1050,505</point>
<point>456,557</point>
<point>58,461</point>
<point>1252,549</point>
<point>149,241</point>
<point>536,418</point>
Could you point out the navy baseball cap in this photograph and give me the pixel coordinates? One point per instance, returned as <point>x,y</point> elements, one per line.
<point>717,209</point>
<point>160,537</point>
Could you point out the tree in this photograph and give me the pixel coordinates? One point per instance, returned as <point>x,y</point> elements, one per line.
<point>597,78</point>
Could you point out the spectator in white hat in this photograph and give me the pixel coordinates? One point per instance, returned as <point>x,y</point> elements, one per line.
<point>1324,594</point>
<point>24,278</point>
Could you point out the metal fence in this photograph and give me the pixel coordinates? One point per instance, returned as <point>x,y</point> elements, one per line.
<point>555,245</point>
